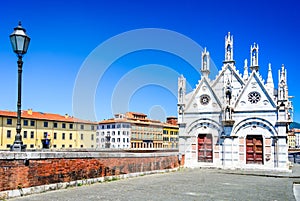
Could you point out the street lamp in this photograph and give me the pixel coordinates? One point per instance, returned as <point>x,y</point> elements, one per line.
<point>20,42</point>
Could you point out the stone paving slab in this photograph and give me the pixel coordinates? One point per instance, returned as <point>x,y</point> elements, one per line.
<point>186,184</point>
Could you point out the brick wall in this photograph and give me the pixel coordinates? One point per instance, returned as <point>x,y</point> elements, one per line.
<point>26,169</point>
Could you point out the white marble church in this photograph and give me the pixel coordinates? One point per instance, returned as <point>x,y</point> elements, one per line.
<point>236,120</point>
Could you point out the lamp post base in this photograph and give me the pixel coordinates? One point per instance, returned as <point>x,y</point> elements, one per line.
<point>18,147</point>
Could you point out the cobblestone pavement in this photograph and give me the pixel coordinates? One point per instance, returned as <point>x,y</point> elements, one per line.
<point>186,184</point>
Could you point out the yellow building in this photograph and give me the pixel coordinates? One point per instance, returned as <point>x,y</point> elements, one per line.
<point>62,131</point>
<point>291,140</point>
<point>170,133</point>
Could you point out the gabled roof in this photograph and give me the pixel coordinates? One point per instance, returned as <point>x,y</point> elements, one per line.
<point>195,92</point>
<point>235,74</point>
<point>254,75</point>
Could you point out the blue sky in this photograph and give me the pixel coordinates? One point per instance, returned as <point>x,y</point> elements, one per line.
<point>64,33</point>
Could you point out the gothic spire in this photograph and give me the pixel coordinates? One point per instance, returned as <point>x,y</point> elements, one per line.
<point>254,57</point>
<point>246,74</point>
<point>228,48</point>
<point>270,82</point>
<point>282,84</point>
<point>205,63</point>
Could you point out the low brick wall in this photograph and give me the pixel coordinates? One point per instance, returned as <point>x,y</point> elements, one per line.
<point>27,169</point>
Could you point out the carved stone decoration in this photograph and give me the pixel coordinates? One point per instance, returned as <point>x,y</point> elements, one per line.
<point>204,99</point>
<point>254,97</point>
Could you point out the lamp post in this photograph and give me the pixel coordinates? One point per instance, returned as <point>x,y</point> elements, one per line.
<point>20,42</point>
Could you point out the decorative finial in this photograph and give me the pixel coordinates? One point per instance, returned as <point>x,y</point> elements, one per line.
<point>245,63</point>
<point>20,24</point>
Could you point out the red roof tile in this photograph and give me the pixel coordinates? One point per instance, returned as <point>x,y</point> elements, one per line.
<point>29,114</point>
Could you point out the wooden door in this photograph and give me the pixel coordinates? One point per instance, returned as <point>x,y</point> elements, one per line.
<point>205,151</point>
<point>254,149</point>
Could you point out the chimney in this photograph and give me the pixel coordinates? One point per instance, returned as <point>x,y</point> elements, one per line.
<point>29,111</point>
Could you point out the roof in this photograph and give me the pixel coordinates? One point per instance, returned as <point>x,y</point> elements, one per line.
<point>137,113</point>
<point>116,120</point>
<point>137,121</point>
<point>29,114</point>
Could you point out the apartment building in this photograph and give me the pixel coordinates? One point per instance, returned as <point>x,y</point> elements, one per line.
<point>114,133</point>
<point>134,130</point>
<point>62,131</point>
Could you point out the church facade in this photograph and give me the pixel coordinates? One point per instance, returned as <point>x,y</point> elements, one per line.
<point>236,120</point>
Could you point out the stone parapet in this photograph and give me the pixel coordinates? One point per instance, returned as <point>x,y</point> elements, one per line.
<point>20,170</point>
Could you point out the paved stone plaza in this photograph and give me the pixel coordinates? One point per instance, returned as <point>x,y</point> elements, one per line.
<point>186,184</point>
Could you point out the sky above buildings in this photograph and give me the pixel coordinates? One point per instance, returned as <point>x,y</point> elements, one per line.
<point>103,52</point>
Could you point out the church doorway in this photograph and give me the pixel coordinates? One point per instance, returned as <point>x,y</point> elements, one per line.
<point>254,149</point>
<point>205,151</point>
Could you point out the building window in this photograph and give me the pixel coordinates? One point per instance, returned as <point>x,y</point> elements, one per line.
<point>54,136</point>
<point>32,134</point>
<point>71,126</point>
<point>71,136</point>
<point>113,133</point>
<point>92,137</point>
<point>102,133</point>
<point>63,125</point>
<point>118,140</point>
<point>54,146</point>
<point>81,126</point>
<point>103,127</point>
<point>108,126</point>
<point>45,124</point>
<point>8,146</point>
<point>63,136</point>
<point>81,136</point>
<point>124,140</point>
<point>118,126</point>
<point>8,134</point>
<point>102,139</point>
<point>113,140</point>
<point>70,146</point>
<point>119,132</point>
<point>97,134</point>
<point>92,127</point>
<point>55,125</point>
<point>25,134</point>
<point>25,122</point>
<point>45,134</point>
<point>92,146</point>
<point>113,126</point>
<point>62,146</point>
<point>9,121</point>
<point>32,123</point>
<point>81,146</point>
<point>32,146</point>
